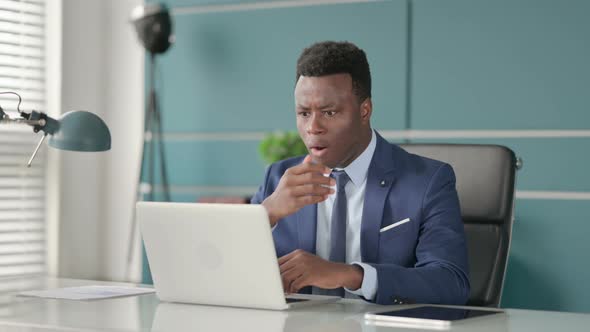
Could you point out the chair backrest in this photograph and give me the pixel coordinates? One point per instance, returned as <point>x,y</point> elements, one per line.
<point>485,184</point>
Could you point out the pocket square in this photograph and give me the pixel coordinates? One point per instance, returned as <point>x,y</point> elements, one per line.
<point>395,224</point>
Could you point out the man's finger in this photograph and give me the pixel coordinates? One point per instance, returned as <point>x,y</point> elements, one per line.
<point>308,200</point>
<point>284,259</point>
<point>299,283</point>
<point>290,270</point>
<point>290,275</point>
<point>289,265</point>
<point>286,283</point>
<point>287,275</point>
<point>311,178</point>
<point>307,159</point>
<point>311,190</point>
<point>288,256</point>
<point>310,167</point>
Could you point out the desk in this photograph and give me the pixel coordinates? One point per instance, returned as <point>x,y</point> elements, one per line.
<point>146,313</point>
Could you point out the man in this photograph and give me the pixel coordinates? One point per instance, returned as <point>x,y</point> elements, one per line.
<point>391,229</point>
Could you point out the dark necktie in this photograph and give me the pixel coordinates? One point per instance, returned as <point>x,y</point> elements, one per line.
<point>338,225</point>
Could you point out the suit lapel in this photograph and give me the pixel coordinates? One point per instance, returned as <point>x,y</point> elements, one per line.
<point>380,179</point>
<point>306,227</point>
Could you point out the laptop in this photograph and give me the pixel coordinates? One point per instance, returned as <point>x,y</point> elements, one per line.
<point>215,254</point>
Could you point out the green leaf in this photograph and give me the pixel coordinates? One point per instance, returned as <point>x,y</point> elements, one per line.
<point>281,145</point>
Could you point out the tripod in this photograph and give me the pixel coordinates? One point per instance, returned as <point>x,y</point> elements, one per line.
<point>152,139</point>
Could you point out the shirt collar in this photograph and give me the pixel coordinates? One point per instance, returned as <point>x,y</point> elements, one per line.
<point>357,170</point>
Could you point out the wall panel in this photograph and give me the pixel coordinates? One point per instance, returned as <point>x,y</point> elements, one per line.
<point>235,71</point>
<point>501,64</point>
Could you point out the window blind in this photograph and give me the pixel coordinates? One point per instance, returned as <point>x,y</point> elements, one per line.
<point>22,189</point>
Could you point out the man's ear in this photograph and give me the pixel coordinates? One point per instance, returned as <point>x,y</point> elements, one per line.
<point>366,110</point>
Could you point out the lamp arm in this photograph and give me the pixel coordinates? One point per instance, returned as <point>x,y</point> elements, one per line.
<point>8,120</point>
<point>38,120</point>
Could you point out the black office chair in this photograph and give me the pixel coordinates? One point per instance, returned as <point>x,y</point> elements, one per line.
<point>485,184</point>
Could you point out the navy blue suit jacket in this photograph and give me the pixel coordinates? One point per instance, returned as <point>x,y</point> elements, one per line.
<point>422,261</point>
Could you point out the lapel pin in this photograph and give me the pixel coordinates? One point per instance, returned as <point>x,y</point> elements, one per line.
<point>382,184</point>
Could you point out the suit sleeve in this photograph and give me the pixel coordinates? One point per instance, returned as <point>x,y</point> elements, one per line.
<point>440,274</point>
<point>261,194</point>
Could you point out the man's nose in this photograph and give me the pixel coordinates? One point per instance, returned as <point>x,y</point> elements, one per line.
<point>314,125</point>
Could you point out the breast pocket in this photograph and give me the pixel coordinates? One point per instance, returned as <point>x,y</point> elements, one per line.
<point>397,242</point>
<point>396,227</point>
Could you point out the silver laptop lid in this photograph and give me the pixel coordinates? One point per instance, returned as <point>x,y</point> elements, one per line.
<point>219,254</point>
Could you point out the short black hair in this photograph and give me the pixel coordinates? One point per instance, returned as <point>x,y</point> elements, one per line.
<point>330,57</point>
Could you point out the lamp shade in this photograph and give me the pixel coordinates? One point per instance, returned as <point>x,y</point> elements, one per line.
<point>81,131</point>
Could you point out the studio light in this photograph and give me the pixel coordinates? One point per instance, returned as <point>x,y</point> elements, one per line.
<point>153,26</point>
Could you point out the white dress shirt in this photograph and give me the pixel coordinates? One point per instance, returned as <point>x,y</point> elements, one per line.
<point>355,193</point>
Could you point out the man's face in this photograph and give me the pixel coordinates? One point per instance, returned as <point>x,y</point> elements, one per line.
<point>332,124</point>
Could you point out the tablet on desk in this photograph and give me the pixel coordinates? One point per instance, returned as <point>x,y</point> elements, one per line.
<point>427,316</point>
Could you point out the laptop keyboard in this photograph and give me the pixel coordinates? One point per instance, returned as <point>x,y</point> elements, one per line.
<point>291,300</point>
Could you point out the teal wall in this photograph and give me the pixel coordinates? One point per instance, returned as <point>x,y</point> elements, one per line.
<point>436,65</point>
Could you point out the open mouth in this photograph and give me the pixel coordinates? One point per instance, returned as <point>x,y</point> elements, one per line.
<point>318,150</point>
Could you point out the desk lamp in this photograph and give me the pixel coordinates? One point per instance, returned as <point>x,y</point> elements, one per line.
<point>74,130</point>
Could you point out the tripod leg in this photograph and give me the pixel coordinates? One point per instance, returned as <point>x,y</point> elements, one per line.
<point>163,171</point>
<point>147,136</point>
<point>138,198</point>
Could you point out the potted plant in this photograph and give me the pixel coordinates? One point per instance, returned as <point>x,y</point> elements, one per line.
<point>281,145</point>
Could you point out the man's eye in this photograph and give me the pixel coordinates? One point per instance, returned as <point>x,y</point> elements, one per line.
<point>303,114</point>
<point>329,113</point>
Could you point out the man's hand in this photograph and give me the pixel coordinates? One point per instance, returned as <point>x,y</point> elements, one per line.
<point>300,269</point>
<point>301,185</point>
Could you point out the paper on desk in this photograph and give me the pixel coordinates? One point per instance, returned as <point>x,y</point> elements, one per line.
<point>93,292</point>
